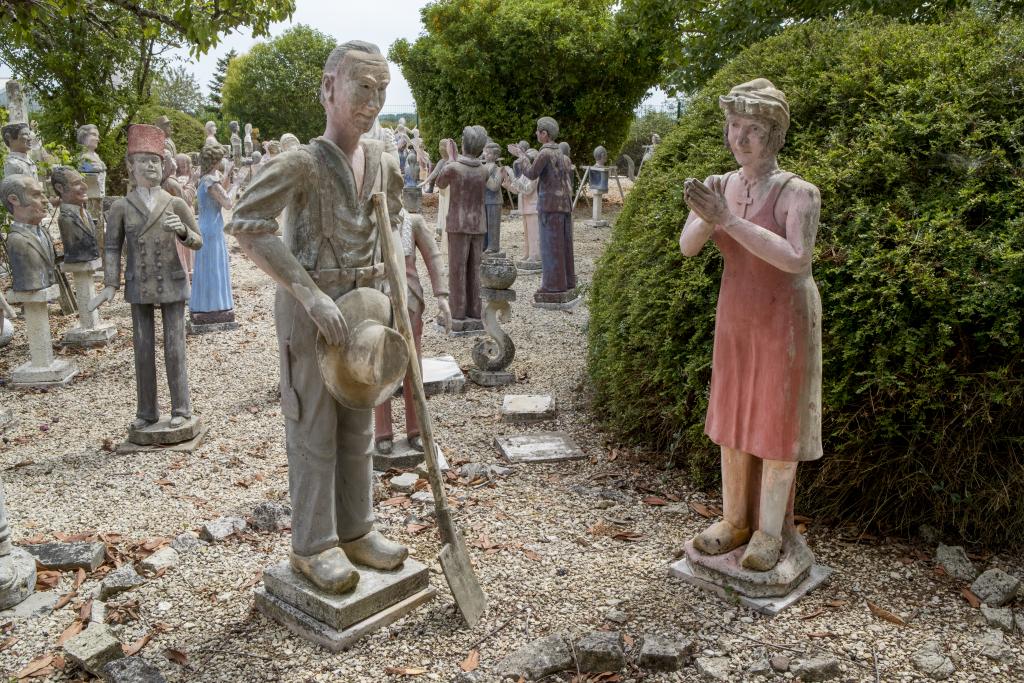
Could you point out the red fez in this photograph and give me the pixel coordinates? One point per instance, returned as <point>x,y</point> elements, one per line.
<point>145,138</point>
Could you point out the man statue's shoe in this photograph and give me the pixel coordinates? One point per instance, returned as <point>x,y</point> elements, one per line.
<point>329,570</point>
<point>178,420</point>
<point>373,550</point>
<point>762,552</point>
<point>384,446</point>
<point>720,537</point>
<point>416,443</point>
<point>141,423</point>
<point>8,575</point>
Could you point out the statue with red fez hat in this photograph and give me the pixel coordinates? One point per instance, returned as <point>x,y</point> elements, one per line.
<point>148,224</point>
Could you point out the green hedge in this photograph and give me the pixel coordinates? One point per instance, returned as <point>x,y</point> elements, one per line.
<point>913,134</point>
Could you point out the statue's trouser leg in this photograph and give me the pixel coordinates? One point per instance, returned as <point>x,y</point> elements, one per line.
<point>776,485</point>
<point>474,309</point>
<point>569,255</point>
<point>493,227</point>
<point>532,237</point>
<point>5,531</point>
<point>174,357</point>
<point>552,251</point>
<point>331,494</point>
<point>458,257</point>
<point>144,343</point>
<point>737,472</point>
<point>382,425</point>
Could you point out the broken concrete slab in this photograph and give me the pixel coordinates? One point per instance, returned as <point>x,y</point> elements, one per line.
<point>63,556</point>
<point>524,408</point>
<point>94,648</point>
<point>540,447</point>
<point>538,659</point>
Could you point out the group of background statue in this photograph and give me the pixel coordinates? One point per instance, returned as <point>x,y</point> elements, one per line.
<point>306,217</point>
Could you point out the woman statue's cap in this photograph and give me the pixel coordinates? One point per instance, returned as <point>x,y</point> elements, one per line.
<point>758,97</point>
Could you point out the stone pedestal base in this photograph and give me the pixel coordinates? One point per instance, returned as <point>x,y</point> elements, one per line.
<point>161,433</point>
<point>92,331</point>
<point>464,328</point>
<point>192,328</point>
<point>43,370</point>
<point>514,213</point>
<point>404,457</point>
<point>211,321</point>
<point>336,622</point>
<point>58,373</point>
<point>599,223</point>
<point>557,301</point>
<point>489,378</point>
<point>441,375</point>
<point>817,575</point>
<point>529,268</point>
<point>24,566</point>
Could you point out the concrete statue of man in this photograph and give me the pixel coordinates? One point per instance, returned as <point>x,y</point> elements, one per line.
<point>164,124</point>
<point>18,138</point>
<point>211,134</point>
<point>147,224</point>
<point>329,256</point>
<point>765,405</point>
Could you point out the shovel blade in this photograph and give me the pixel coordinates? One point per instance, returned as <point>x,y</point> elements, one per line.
<point>462,581</point>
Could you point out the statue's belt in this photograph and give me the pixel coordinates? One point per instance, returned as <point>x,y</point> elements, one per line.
<point>361,276</point>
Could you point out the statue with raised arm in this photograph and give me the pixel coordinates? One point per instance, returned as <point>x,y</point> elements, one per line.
<point>329,270</point>
<point>764,409</point>
<point>146,225</point>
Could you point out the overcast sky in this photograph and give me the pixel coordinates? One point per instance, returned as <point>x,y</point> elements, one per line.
<point>377,21</point>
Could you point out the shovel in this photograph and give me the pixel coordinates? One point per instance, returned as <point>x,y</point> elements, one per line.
<point>454,557</point>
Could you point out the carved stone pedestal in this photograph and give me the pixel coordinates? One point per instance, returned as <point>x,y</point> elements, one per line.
<point>404,457</point>
<point>161,434</point>
<point>20,569</point>
<point>530,267</point>
<point>336,622</point>
<point>768,592</point>
<point>492,356</point>
<point>557,301</point>
<point>596,220</point>
<point>92,331</point>
<point>464,328</point>
<point>43,370</point>
<point>213,321</point>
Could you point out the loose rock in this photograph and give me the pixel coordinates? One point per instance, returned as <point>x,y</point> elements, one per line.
<point>271,516</point>
<point>64,556</point>
<point>1000,617</point>
<point>817,669</point>
<point>538,659</point>
<point>93,648</point>
<point>616,616</point>
<point>35,605</point>
<point>404,483</point>
<point>993,645</point>
<point>780,663</point>
<point>713,668</point>
<point>930,661</point>
<point>664,654</point>
<point>186,542</point>
<point>132,670</point>
<point>761,667</point>
<point>601,651</point>
<point>955,562</point>
<point>995,587</point>
<point>162,560</point>
<point>118,581</point>
<point>220,529</point>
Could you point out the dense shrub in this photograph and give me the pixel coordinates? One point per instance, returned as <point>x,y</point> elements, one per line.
<point>913,135</point>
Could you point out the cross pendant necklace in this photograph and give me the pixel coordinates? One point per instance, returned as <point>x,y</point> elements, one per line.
<point>748,199</point>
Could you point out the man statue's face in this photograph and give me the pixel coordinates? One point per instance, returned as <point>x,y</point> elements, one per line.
<point>147,169</point>
<point>76,191</point>
<point>22,142</point>
<point>355,93</point>
<point>31,209</point>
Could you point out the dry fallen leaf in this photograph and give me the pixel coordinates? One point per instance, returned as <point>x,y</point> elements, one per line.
<point>45,580</point>
<point>36,665</point>
<point>71,631</point>
<point>397,501</point>
<point>85,611</point>
<point>970,597</point>
<point>705,511</point>
<point>64,600</point>
<point>133,648</point>
<point>471,662</point>
<point>627,536</point>
<point>885,614</point>
<point>654,500</point>
<point>628,640</point>
<point>821,634</point>
<point>79,579</point>
<point>7,643</point>
<point>414,528</point>
<point>176,656</point>
<point>816,613</point>
<point>531,554</point>
<point>837,603</point>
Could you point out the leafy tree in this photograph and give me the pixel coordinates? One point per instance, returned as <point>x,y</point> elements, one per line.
<point>276,85</point>
<point>216,83</point>
<point>504,63</point>
<point>640,131</point>
<point>712,33</point>
<point>177,88</point>
<point>910,135</point>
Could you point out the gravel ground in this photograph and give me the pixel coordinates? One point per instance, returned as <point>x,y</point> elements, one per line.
<point>541,538</point>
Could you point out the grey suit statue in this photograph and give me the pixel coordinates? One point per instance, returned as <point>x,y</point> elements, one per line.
<point>78,233</point>
<point>32,258</point>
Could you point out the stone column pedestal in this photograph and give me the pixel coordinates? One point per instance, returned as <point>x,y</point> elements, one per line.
<point>92,330</point>
<point>43,370</point>
<point>596,220</point>
<point>492,356</point>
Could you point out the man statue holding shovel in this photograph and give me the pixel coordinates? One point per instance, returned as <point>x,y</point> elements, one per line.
<point>331,251</point>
